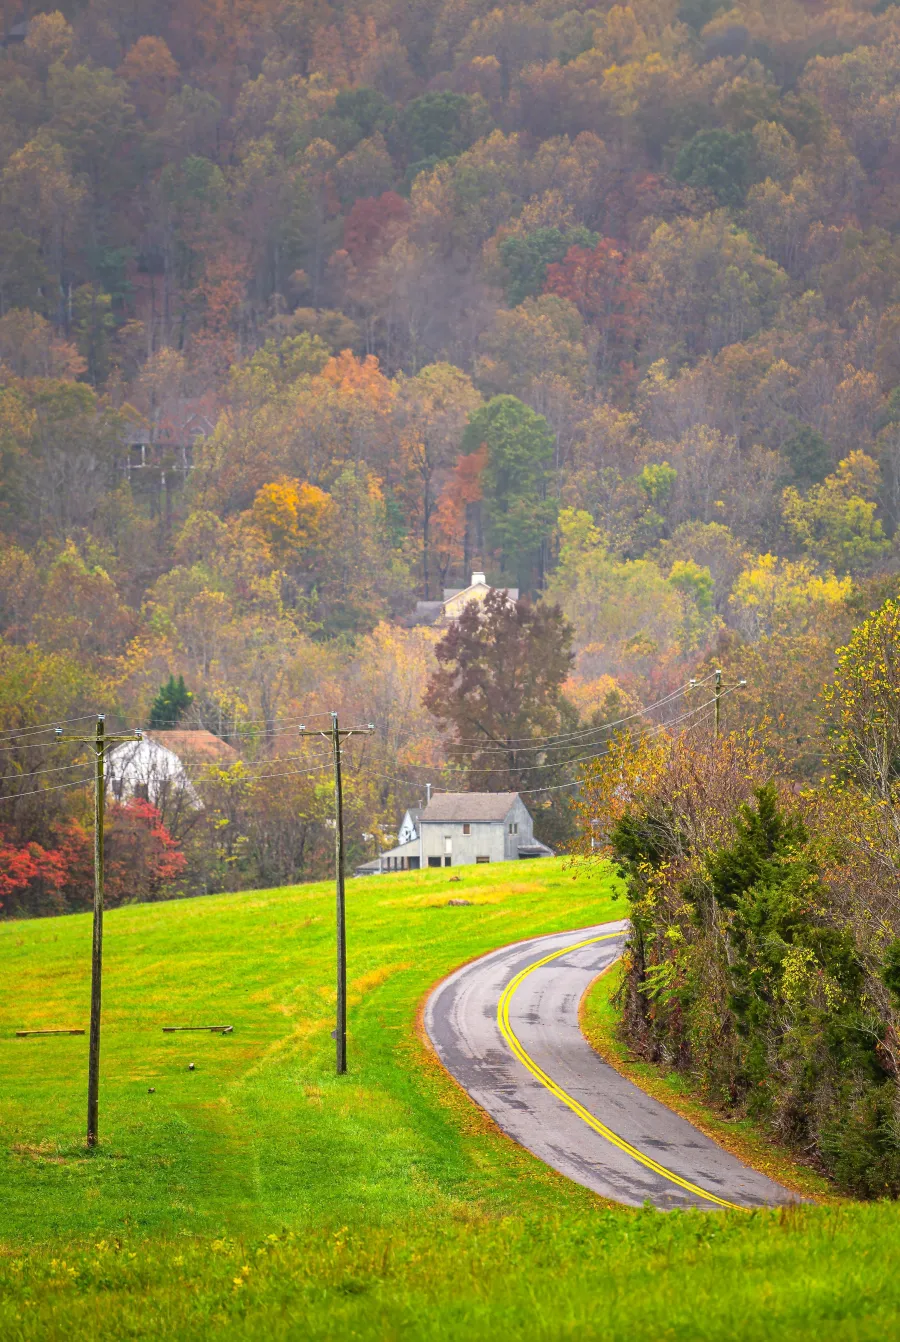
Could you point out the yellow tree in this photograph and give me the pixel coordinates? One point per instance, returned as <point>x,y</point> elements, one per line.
<point>836,522</point>
<point>292,517</point>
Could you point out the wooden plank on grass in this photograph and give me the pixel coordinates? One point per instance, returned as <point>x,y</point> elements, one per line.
<point>31,1034</point>
<point>216,1029</point>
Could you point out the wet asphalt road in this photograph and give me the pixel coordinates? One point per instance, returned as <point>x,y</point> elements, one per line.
<point>461,1019</point>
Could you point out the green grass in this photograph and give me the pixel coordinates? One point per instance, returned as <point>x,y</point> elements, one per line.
<point>262,1133</point>
<point>262,1197</point>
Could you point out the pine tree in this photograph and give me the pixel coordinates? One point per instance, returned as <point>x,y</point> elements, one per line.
<point>170,704</point>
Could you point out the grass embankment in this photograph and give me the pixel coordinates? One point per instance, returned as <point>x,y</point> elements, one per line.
<point>406,1213</point>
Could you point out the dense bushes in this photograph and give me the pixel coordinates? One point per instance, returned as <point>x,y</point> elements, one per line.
<point>746,966</point>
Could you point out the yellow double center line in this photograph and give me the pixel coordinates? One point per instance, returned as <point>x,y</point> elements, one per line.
<point>569,1100</point>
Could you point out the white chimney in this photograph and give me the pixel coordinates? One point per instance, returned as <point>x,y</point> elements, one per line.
<point>478,578</point>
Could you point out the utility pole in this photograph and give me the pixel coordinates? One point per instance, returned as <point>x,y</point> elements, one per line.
<point>100,742</point>
<point>720,695</point>
<point>335,735</point>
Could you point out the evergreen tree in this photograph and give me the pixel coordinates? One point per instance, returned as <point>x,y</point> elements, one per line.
<point>170,704</point>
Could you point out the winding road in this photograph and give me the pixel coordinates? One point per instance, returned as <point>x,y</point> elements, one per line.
<point>506,1027</point>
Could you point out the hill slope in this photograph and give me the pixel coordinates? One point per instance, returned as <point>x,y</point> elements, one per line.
<point>261,1196</point>
<point>262,1132</point>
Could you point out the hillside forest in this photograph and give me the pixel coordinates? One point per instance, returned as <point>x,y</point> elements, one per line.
<point>308,310</point>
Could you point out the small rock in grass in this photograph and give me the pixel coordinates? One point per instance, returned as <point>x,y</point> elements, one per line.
<point>459,903</point>
<point>151,1090</point>
<point>190,1066</point>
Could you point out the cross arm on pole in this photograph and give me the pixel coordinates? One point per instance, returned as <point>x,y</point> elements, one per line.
<point>102,740</point>
<point>328,732</point>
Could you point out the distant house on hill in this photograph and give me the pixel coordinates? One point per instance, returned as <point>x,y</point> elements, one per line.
<point>457,828</point>
<point>15,34</point>
<point>164,444</point>
<point>159,768</point>
<point>455,600</point>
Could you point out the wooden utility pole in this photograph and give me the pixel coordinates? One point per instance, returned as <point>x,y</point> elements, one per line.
<point>720,695</point>
<point>97,943</point>
<point>100,742</point>
<point>340,1029</point>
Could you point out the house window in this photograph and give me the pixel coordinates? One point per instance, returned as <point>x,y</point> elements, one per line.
<point>482,859</point>
<point>448,860</point>
<point>434,862</point>
<point>467,829</point>
<point>142,791</point>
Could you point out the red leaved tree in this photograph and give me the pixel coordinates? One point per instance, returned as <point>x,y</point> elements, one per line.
<point>373,226</point>
<point>600,284</point>
<point>143,861</point>
<point>456,531</point>
<point>35,880</point>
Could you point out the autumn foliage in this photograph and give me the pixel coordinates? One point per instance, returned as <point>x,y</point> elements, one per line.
<point>308,313</point>
<point>143,861</point>
<point>599,283</point>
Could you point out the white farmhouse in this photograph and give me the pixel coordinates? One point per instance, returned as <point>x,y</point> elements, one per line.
<point>159,768</point>
<point>457,828</point>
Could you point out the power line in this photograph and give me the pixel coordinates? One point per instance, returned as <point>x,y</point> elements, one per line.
<point>45,727</point>
<point>289,773</point>
<point>658,730</point>
<point>27,745</point>
<point>42,791</point>
<point>21,734</point>
<point>408,782</point>
<point>79,782</point>
<point>23,744</point>
<point>211,764</point>
<point>36,773</point>
<point>241,729</point>
<point>562,764</point>
<point>550,742</point>
<point>579,782</point>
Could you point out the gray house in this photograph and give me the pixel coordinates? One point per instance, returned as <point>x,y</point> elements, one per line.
<point>457,828</point>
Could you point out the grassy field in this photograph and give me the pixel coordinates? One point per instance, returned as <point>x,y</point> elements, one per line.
<point>260,1196</point>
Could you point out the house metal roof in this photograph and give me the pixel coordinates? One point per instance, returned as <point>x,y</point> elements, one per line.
<point>451,592</point>
<point>199,745</point>
<point>483,807</point>
<point>410,848</point>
